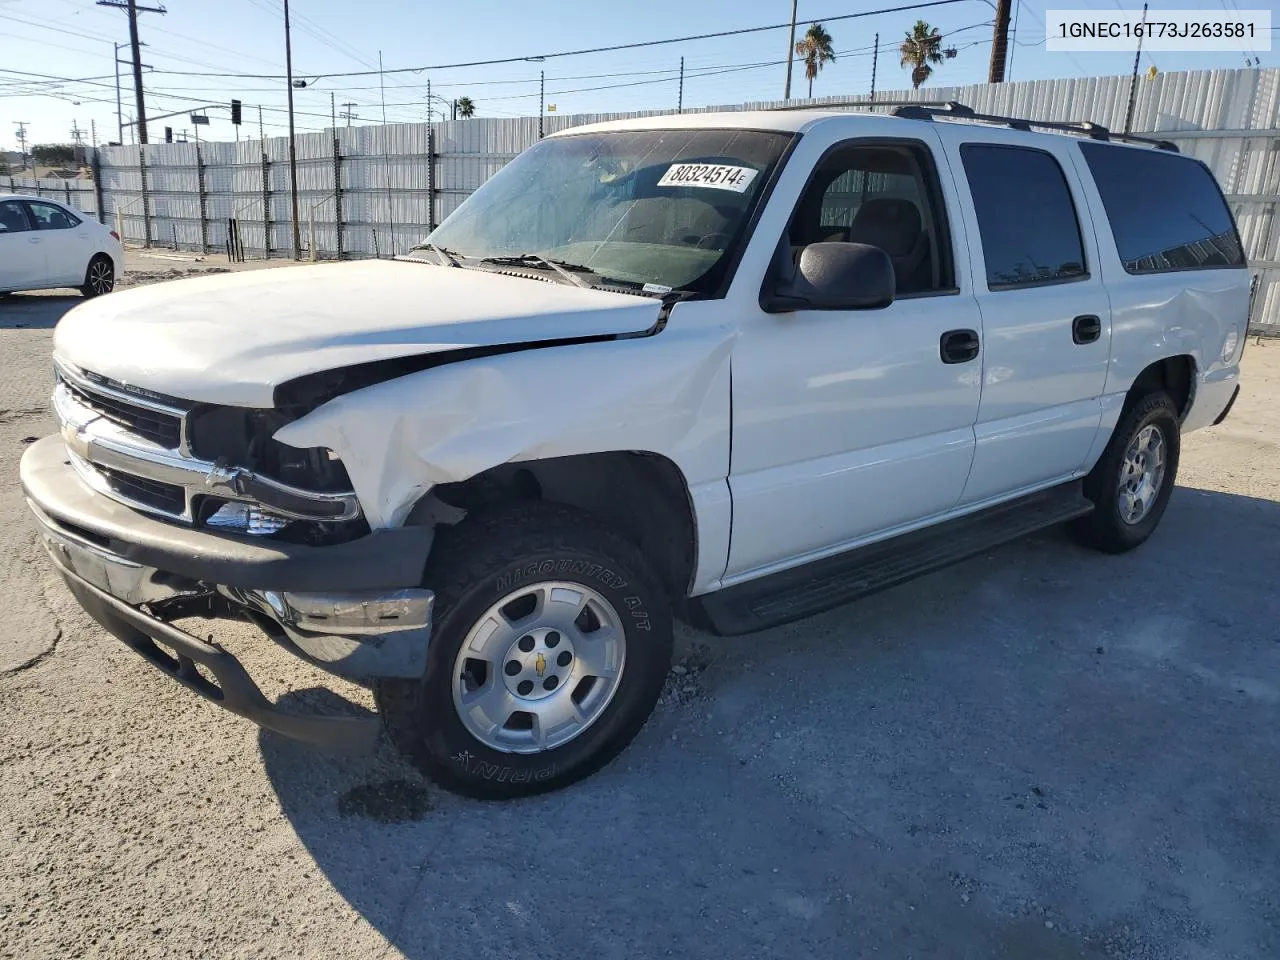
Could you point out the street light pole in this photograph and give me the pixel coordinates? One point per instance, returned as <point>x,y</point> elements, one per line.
<point>293,156</point>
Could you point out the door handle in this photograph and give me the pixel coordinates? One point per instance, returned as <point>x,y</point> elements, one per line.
<point>1086,328</point>
<point>958,346</point>
<point>33,239</point>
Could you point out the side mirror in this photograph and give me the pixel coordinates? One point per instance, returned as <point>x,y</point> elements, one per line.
<point>834,276</point>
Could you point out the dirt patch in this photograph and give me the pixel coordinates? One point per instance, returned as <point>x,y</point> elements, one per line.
<point>138,278</point>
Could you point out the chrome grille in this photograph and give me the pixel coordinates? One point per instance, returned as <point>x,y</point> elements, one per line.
<point>168,498</point>
<point>164,429</point>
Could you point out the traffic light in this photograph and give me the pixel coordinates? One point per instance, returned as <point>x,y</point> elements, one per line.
<point>168,134</point>
<point>235,112</point>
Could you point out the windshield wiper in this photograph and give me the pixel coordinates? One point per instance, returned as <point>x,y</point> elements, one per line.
<point>447,258</point>
<point>537,260</point>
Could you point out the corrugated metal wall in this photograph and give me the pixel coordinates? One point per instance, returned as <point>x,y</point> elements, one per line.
<point>375,191</point>
<point>80,194</point>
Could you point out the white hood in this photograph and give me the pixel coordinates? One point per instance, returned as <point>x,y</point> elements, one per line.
<point>233,338</point>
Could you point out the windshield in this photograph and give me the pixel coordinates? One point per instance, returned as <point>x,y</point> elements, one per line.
<point>658,207</point>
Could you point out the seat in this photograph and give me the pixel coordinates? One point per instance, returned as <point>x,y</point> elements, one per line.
<point>894,225</point>
<point>11,218</point>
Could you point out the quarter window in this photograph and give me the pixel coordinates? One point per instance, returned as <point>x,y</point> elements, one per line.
<point>1166,211</point>
<point>49,217</point>
<point>13,218</point>
<point>1027,220</point>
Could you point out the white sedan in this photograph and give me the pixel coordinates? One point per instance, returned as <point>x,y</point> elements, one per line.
<point>46,244</point>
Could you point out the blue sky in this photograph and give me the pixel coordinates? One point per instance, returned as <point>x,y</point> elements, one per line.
<point>72,39</point>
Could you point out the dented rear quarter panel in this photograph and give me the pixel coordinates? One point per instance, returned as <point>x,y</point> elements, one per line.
<point>1157,315</point>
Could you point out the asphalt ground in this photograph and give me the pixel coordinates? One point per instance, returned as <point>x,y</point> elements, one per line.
<point>1041,754</point>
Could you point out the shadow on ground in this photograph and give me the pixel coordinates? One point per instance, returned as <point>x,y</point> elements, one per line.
<point>1043,753</point>
<point>34,311</point>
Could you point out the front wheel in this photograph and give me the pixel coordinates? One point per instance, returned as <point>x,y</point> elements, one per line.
<point>99,277</point>
<point>1131,484</point>
<point>549,650</point>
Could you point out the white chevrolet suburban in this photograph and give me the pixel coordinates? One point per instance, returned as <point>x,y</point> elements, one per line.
<point>734,368</point>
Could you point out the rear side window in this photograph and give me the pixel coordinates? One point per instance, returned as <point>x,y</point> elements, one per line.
<point>1166,211</point>
<point>49,217</point>
<point>1030,233</point>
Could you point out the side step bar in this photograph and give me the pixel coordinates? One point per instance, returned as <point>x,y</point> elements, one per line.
<point>832,581</point>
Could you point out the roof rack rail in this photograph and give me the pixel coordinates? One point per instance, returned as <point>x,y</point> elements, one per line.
<point>1095,131</point>
<point>864,104</point>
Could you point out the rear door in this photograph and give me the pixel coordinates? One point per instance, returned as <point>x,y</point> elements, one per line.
<point>22,263</point>
<point>1046,316</point>
<point>66,240</point>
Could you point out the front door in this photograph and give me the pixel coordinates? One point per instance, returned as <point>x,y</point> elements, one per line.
<point>850,423</point>
<point>22,265</point>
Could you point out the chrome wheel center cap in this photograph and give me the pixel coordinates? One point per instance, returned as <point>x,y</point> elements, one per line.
<point>538,663</point>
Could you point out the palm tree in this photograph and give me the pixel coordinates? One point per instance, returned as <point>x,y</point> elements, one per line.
<point>466,108</point>
<point>922,47</point>
<point>816,50</point>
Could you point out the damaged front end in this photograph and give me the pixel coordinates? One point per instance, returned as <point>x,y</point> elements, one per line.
<point>201,465</point>
<point>154,510</point>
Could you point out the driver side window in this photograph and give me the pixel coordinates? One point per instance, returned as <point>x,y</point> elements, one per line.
<point>885,195</point>
<point>13,218</point>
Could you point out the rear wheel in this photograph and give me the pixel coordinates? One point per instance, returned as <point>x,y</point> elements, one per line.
<point>1131,484</point>
<point>100,277</point>
<point>550,646</point>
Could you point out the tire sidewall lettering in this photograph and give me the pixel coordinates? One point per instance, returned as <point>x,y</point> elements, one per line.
<point>552,569</point>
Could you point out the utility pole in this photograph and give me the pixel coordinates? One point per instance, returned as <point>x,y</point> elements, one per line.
<point>791,50</point>
<point>1133,83</point>
<point>1000,42</point>
<point>333,114</point>
<point>77,135</point>
<point>430,115</point>
<point>542,100</point>
<point>132,8</point>
<point>875,59</point>
<point>680,96</point>
<point>348,113</point>
<point>22,140</point>
<point>119,114</point>
<point>386,155</point>
<point>293,156</point>
<point>93,133</point>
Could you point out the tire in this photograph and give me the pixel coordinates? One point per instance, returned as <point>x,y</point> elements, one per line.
<point>496,561</point>
<point>1153,417</point>
<point>99,276</point>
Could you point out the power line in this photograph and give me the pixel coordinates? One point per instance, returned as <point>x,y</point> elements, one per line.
<point>174,93</point>
<point>925,4</point>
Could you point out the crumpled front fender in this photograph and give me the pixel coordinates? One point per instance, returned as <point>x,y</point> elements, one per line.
<point>666,394</point>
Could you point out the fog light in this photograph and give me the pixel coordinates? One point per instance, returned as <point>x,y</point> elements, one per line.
<point>247,518</point>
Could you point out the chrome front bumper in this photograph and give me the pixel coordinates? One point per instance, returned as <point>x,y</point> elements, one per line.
<point>355,634</point>
<point>133,574</point>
